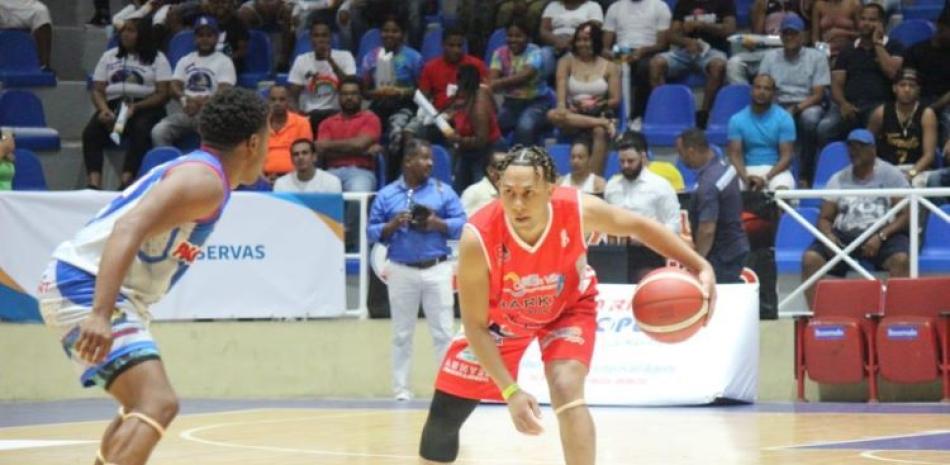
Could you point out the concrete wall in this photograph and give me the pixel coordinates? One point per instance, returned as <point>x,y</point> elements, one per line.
<point>325,358</point>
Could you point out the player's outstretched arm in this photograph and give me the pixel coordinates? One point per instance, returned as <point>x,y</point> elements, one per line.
<point>473,299</point>
<point>189,192</point>
<point>602,217</point>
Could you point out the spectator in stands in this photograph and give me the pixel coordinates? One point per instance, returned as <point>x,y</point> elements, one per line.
<point>560,20</point>
<point>483,192</point>
<point>766,17</point>
<point>862,76</point>
<point>415,216</point>
<point>198,75</point>
<point>32,15</point>
<point>835,22</point>
<point>698,34</point>
<point>529,11</point>
<point>7,159</point>
<point>906,131</point>
<point>588,92</point>
<point>286,127</point>
<point>234,37</point>
<point>476,127</point>
<point>762,140</point>
<point>643,192</point>
<point>315,77</point>
<point>581,177</point>
<point>715,208</point>
<point>271,16</point>
<point>516,74</point>
<point>801,75</point>
<point>439,75</point>
<point>476,18</point>
<point>390,73</point>
<point>345,139</point>
<point>102,13</point>
<point>638,29</point>
<point>931,59</point>
<point>844,219</point>
<point>135,74</point>
<point>307,177</point>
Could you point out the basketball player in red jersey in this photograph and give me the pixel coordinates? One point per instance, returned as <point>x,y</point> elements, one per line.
<point>523,275</point>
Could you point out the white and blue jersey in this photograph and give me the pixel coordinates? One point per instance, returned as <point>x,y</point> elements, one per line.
<point>68,285</point>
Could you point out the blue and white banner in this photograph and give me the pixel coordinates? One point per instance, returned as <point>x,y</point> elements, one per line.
<point>273,255</point>
<point>629,368</point>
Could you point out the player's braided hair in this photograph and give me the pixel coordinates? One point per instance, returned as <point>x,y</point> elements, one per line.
<point>232,116</point>
<point>535,157</point>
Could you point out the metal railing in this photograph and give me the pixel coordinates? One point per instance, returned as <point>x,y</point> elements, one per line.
<point>362,255</point>
<point>912,198</point>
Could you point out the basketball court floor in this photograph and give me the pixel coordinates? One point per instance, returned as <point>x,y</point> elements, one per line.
<point>211,432</point>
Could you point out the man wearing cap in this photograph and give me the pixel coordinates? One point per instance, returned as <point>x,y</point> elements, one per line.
<point>862,76</point>
<point>198,75</point>
<point>843,219</point>
<point>801,75</point>
<point>906,130</point>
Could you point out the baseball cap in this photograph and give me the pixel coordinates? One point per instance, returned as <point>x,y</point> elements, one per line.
<point>908,74</point>
<point>206,21</point>
<point>794,22</point>
<point>862,136</point>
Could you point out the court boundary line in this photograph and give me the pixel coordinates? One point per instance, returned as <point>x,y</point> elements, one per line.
<point>850,441</point>
<point>80,422</point>
<point>871,454</point>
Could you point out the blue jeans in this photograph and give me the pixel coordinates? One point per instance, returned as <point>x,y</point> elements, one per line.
<point>527,117</point>
<point>355,179</point>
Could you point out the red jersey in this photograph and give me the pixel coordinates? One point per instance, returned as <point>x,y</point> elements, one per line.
<point>530,286</point>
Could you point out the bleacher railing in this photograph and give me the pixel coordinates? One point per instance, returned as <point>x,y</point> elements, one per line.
<point>362,254</point>
<point>912,198</point>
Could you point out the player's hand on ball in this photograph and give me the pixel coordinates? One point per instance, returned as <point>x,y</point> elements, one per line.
<point>95,338</point>
<point>707,278</point>
<point>525,413</point>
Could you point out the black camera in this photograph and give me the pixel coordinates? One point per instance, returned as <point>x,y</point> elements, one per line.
<point>419,216</point>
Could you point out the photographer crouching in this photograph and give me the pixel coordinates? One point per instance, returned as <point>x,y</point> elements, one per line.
<point>415,216</point>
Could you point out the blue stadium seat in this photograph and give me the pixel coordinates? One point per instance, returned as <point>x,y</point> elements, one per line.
<point>935,253</point>
<point>729,101</point>
<point>258,62</point>
<point>28,172</point>
<point>743,10</point>
<point>912,31</point>
<point>792,239</point>
<point>157,156</point>
<point>370,40</point>
<point>561,154</point>
<point>23,112</point>
<point>691,80</point>
<point>432,45</point>
<point>833,158</point>
<point>442,164</point>
<point>923,9</point>
<point>612,166</point>
<point>498,38</point>
<point>381,168</point>
<point>19,64</point>
<point>180,45</point>
<point>670,111</point>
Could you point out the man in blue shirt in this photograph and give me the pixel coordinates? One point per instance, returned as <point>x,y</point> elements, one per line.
<point>715,208</point>
<point>762,140</point>
<point>415,216</point>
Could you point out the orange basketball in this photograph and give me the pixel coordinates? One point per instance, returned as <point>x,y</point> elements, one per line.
<point>668,305</point>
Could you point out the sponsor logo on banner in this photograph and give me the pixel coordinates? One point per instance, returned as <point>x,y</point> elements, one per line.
<point>187,252</point>
<point>233,252</point>
<point>902,332</point>
<point>829,332</point>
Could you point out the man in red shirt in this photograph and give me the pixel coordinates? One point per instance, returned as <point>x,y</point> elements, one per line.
<point>348,140</point>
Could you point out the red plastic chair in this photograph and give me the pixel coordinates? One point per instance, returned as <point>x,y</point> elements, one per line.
<point>836,344</point>
<point>912,338</point>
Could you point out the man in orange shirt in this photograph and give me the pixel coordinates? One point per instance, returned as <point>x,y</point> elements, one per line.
<point>285,127</point>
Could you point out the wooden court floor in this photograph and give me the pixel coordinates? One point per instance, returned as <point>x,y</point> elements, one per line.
<point>385,433</point>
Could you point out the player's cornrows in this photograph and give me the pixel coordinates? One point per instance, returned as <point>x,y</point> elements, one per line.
<point>535,157</point>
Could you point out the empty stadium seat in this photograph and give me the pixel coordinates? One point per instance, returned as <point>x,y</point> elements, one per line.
<point>836,344</point>
<point>612,165</point>
<point>833,158</point>
<point>561,155</point>
<point>913,31</point>
<point>157,156</point>
<point>935,254</point>
<point>370,40</point>
<point>442,164</point>
<point>912,344</point>
<point>28,172</point>
<point>180,45</point>
<point>670,111</point>
<point>19,64</point>
<point>729,101</point>
<point>792,239</point>
<point>258,62</point>
<point>922,9</point>
<point>23,112</point>
<point>498,38</point>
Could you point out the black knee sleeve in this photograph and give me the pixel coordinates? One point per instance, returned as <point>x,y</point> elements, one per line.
<point>440,436</point>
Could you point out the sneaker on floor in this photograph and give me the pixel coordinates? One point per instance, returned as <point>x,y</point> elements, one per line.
<point>403,396</point>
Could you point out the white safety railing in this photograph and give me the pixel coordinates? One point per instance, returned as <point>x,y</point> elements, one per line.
<point>361,310</point>
<point>912,198</point>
